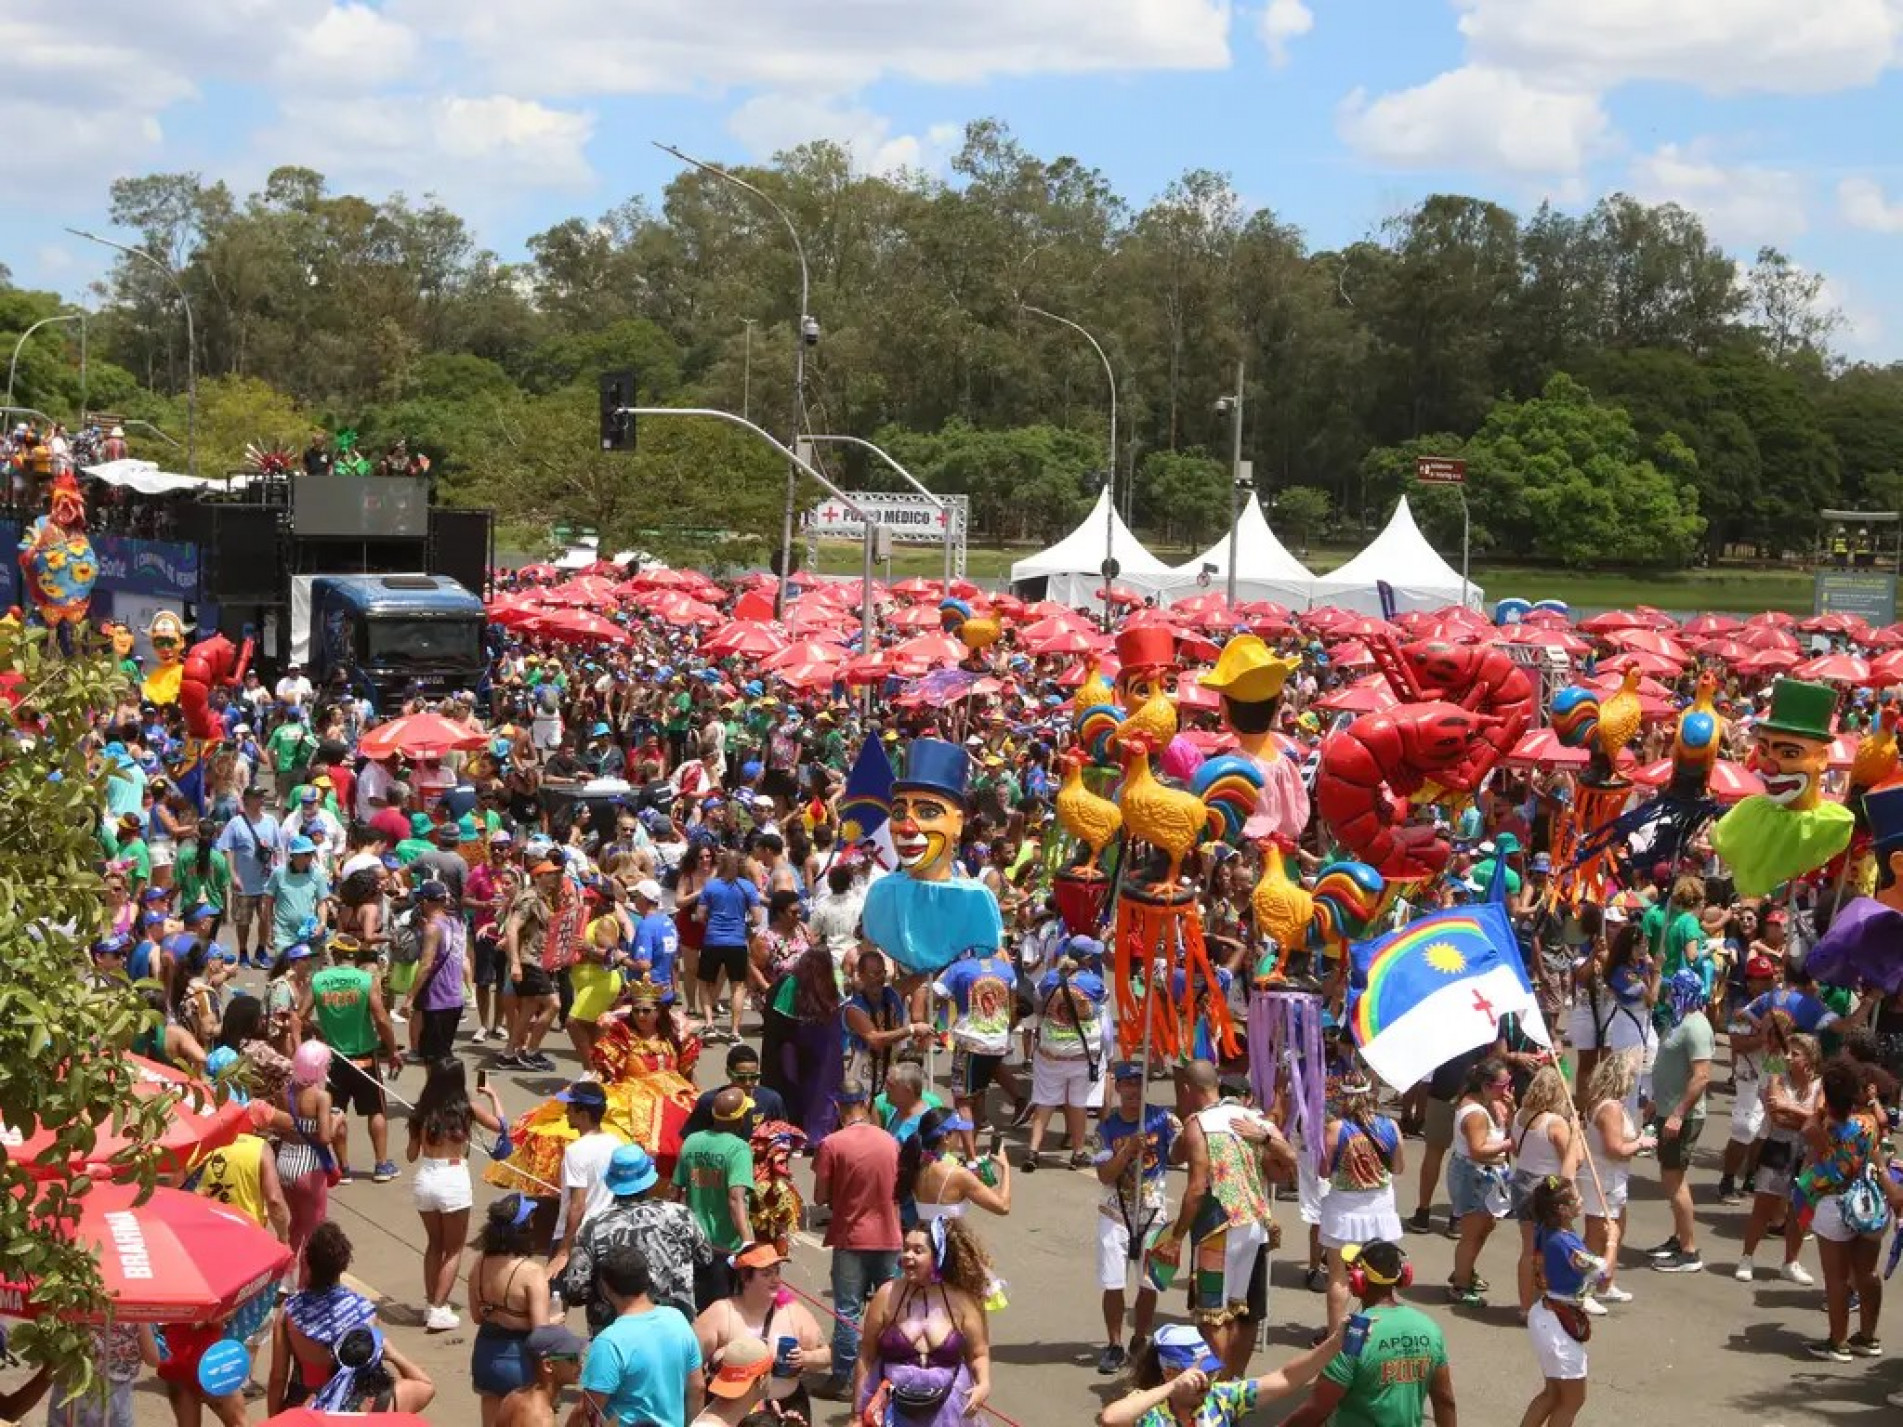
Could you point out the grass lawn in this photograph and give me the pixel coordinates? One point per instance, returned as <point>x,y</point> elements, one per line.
<point>1733,591</point>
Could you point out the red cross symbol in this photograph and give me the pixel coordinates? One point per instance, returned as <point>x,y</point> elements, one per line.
<point>941,518</point>
<point>829,514</point>
<point>1483,1005</point>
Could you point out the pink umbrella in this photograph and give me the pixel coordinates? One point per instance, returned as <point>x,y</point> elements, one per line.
<point>1369,695</point>
<point>1651,642</point>
<point>1614,619</point>
<point>1767,636</point>
<point>1657,665</point>
<point>1768,661</point>
<point>806,651</point>
<point>1730,781</point>
<point>1709,624</point>
<point>1541,748</point>
<point>1834,669</point>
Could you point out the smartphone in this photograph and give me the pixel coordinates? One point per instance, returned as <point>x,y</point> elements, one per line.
<point>997,1141</point>
<point>1356,1338</point>
<point>482,1080</point>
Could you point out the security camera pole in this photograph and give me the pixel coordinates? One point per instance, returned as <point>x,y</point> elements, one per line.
<point>1237,481</point>
<point>806,336</point>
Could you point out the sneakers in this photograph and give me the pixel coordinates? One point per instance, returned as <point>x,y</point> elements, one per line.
<point>1795,1272</point>
<point>384,1172</point>
<point>1592,1308</point>
<point>479,1035</point>
<point>509,1060</point>
<point>1612,1293</point>
<point>397,1018</point>
<point>1829,1351</point>
<point>1684,1261</point>
<point>1743,1271</point>
<point>441,1319</point>
<point>1028,1165</point>
<point>534,1060</point>
<point>1421,1222</point>
<point>1111,1360</point>
<point>1081,1160</point>
<point>1863,1347</point>
<point>1468,1297</point>
<point>1317,1279</point>
<point>1666,1250</point>
<point>1729,1193</point>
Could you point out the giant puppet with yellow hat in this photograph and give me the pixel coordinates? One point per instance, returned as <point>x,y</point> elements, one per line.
<point>1788,829</point>
<point>1250,676</point>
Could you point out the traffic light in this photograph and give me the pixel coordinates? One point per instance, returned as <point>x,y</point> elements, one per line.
<point>617,417</point>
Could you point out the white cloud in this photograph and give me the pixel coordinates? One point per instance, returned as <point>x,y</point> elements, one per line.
<point>1864,204</point>
<point>354,48</point>
<point>447,144</point>
<point>1722,46</point>
<point>768,123</point>
<point>1861,333</point>
<point>1283,22</point>
<point>1476,117</point>
<point>581,47</point>
<point>1743,205</point>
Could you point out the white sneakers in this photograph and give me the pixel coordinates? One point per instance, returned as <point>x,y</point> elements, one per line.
<point>441,1319</point>
<point>1593,1307</point>
<point>1743,1271</point>
<point>1612,1293</point>
<point>1795,1272</point>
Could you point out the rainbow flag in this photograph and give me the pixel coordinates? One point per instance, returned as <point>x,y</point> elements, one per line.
<point>1437,988</point>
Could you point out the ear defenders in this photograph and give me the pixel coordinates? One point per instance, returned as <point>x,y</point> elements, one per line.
<point>1360,1276</point>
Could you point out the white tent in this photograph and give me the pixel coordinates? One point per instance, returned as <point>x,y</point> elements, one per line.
<point>144,477</point>
<point>1401,558</point>
<point>1073,566</point>
<point>1264,568</point>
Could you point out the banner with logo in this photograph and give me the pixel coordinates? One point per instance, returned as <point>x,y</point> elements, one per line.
<point>912,519</point>
<point>164,569</point>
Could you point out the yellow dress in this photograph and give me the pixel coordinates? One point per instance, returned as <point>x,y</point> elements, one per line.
<point>650,1096</point>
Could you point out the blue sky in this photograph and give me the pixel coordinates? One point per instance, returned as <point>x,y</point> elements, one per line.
<point>1775,119</point>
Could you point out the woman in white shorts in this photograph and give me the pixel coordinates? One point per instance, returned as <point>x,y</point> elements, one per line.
<point>1362,1154</point>
<point>440,1129</point>
<point>1556,1323</point>
<point>1612,1139</point>
<point>1591,1005</point>
<point>1789,1095</point>
<point>1842,1145</point>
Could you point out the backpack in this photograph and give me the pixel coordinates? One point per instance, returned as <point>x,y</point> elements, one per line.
<point>1865,1211</point>
<point>406,943</point>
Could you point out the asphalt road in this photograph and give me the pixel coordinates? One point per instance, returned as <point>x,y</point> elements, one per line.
<point>1691,1349</point>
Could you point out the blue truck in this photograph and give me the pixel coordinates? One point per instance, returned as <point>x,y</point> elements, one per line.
<point>394,636</point>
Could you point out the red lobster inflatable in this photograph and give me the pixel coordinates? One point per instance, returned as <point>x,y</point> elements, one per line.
<point>209,663</point>
<point>1423,749</point>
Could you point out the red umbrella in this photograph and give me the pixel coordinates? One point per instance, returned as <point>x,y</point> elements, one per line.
<point>1190,693</point>
<point>1887,669</point>
<point>1192,645</point>
<point>1655,617</point>
<point>1540,636</point>
<point>1352,655</point>
<point>814,675</point>
<point>1369,695</point>
<point>1546,618</point>
<point>1052,625</point>
<point>177,1258</point>
<point>1765,636</point>
<point>195,1124</point>
<point>914,617</point>
<point>753,604</point>
<point>1834,669</point>
<point>1657,665</point>
<point>1270,626</point>
<point>586,593</point>
<point>805,579</point>
<point>917,588</point>
<point>1119,595</point>
<point>1843,749</point>
<point>1728,650</point>
<point>873,669</point>
<point>1832,623</point>
<point>1363,626</point>
<point>1887,637</point>
<point>581,626</point>
<point>1651,642</point>
<point>681,610</point>
<point>1263,609</point>
<point>1073,677</point>
<point>806,651</point>
<point>423,735</point>
<point>744,637</point>
<point>1541,748</point>
<point>930,649</point>
<point>1729,781</point>
<point>1708,624</point>
<point>1772,618</point>
<point>1211,741</point>
<point>1326,616</point>
<point>659,577</point>
<point>1614,619</point>
<point>1648,688</point>
<point>1768,661</point>
<point>1062,641</point>
<point>1150,615</point>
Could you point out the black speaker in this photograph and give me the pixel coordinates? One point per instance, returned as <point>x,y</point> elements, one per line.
<point>242,561</point>
<point>459,546</point>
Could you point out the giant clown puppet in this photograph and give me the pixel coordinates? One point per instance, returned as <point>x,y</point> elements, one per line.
<point>1787,830</point>
<point>930,914</point>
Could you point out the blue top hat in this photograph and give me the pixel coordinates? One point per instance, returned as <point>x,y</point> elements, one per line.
<point>935,766</point>
<point>1884,809</point>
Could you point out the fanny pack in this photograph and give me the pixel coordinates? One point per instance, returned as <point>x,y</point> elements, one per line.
<point>1572,1318</point>
<point>912,1403</point>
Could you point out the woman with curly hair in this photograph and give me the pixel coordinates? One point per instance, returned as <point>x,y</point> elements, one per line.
<point>926,1350</point>
<point>1544,1146</point>
<point>1612,1139</point>
<point>803,1042</point>
<point>1790,1093</point>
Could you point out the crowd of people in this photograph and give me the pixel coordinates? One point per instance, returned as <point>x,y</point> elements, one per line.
<point>645,848</point>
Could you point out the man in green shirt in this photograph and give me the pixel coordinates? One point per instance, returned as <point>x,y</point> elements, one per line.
<point>289,748</point>
<point>714,1177</point>
<point>126,843</point>
<point>1400,1368</point>
<point>1682,928</point>
<point>354,1024</point>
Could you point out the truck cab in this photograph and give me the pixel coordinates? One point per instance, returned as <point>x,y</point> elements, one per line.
<point>394,636</point>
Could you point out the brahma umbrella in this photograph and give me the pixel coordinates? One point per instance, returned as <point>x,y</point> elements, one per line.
<point>1834,669</point>
<point>176,1258</point>
<point>1370,695</point>
<point>579,626</point>
<point>419,736</point>
<point>1730,782</point>
<point>1710,624</point>
<point>1614,619</point>
<point>195,1124</point>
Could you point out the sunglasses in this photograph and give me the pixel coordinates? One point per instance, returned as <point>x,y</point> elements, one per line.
<point>742,1077</point>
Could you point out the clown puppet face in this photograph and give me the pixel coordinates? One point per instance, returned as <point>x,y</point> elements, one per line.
<point>926,827</point>
<point>1792,768</point>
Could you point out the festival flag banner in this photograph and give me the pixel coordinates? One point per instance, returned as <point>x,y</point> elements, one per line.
<point>866,805</point>
<point>1436,989</point>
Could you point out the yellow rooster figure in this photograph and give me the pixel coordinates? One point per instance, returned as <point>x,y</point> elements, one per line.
<point>1283,906</point>
<point>1221,796</point>
<point>1876,758</point>
<point>1347,900</point>
<point>1154,719</point>
<point>1093,691</point>
<point>1698,740</point>
<point>1092,820</point>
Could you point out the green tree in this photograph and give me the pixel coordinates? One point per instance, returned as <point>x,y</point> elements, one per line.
<point>1300,514</point>
<point>62,1038</point>
<point>1184,495</point>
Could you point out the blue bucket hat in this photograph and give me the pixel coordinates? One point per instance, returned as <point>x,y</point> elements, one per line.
<point>300,845</point>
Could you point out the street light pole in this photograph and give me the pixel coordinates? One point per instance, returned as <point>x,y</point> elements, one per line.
<point>13,365</point>
<point>1233,405</point>
<point>191,339</point>
<point>797,463</point>
<point>944,510</point>
<point>807,335</point>
<point>746,372</point>
<point>1110,486</point>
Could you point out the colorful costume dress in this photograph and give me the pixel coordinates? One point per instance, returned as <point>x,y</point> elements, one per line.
<point>650,1095</point>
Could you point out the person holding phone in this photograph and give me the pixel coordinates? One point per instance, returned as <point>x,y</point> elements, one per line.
<point>1176,1381</point>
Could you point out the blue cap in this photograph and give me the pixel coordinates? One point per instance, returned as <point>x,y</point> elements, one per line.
<point>155,894</point>
<point>152,919</point>
<point>750,770</point>
<point>1126,1070</point>
<point>600,730</point>
<point>934,766</point>
<point>1083,946</point>
<point>297,951</point>
<point>753,688</point>
<point>391,862</point>
<point>1181,1346</point>
<point>587,1093</point>
<point>199,911</point>
<point>307,794</point>
<point>118,944</point>
<point>433,891</point>
<point>300,845</point>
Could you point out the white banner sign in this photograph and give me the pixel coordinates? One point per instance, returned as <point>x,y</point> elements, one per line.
<point>912,519</point>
